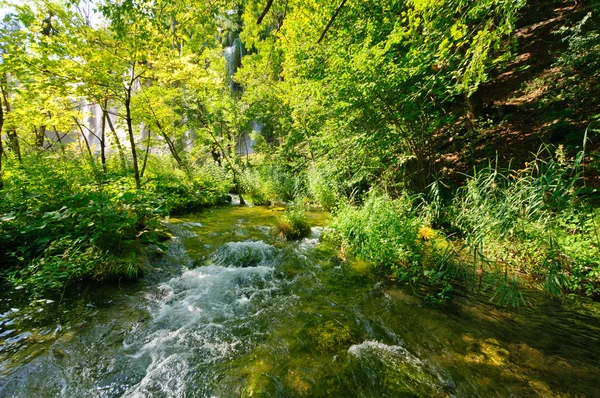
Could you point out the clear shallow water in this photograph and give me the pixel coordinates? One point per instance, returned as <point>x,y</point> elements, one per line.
<point>233,311</point>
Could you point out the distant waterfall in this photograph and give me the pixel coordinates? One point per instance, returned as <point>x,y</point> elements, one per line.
<point>233,57</point>
<point>245,141</point>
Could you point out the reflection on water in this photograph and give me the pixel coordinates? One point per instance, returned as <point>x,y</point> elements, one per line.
<point>233,311</point>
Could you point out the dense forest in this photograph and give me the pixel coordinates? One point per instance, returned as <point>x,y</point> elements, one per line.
<point>452,142</point>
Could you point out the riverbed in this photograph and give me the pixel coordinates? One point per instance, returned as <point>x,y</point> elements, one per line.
<point>231,310</point>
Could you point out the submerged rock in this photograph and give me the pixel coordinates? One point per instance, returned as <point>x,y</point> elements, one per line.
<point>244,254</point>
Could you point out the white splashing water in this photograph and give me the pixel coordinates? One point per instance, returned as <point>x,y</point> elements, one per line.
<point>194,319</point>
<point>244,254</point>
<point>390,353</point>
<point>397,357</point>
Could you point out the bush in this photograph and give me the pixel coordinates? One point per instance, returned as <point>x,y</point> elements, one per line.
<point>293,225</point>
<point>62,222</point>
<point>267,183</point>
<point>322,189</point>
<point>258,189</point>
<point>383,231</point>
<point>173,191</point>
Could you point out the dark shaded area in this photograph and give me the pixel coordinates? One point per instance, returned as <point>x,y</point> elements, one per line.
<point>533,101</point>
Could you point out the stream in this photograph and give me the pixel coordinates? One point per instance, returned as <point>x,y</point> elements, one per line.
<point>231,310</point>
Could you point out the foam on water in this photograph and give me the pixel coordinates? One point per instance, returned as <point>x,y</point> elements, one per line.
<point>192,224</point>
<point>194,318</point>
<point>164,377</point>
<point>391,353</point>
<point>182,230</point>
<point>245,254</point>
<point>398,359</point>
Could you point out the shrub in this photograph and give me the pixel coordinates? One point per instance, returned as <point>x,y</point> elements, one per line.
<point>293,225</point>
<point>322,189</point>
<point>383,231</point>
<point>267,183</point>
<point>62,222</point>
<point>258,189</point>
<point>531,221</point>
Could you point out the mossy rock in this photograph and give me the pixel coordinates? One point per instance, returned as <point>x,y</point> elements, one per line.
<point>293,225</point>
<point>331,337</point>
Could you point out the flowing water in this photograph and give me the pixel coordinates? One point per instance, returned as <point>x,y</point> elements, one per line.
<point>230,310</point>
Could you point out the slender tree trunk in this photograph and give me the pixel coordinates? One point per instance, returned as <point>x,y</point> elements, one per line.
<point>60,138</point>
<point>116,137</point>
<point>265,11</point>
<point>103,143</point>
<point>233,169</point>
<point>13,139</point>
<point>171,145</point>
<point>136,171</point>
<point>40,135</point>
<point>335,14</point>
<point>146,155</point>
<point>87,144</point>
<point>169,142</point>
<point>13,142</point>
<point>173,150</point>
<point>474,104</point>
<point>1,146</point>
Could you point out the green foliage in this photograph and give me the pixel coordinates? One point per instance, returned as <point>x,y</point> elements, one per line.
<point>583,50</point>
<point>172,191</point>
<point>368,99</point>
<point>530,221</point>
<point>322,188</point>
<point>512,223</point>
<point>59,226</point>
<point>571,91</point>
<point>267,183</point>
<point>383,231</point>
<point>365,107</point>
<point>260,190</point>
<point>293,224</point>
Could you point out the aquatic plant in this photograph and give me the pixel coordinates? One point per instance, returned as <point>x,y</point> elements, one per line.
<point>293,225</point>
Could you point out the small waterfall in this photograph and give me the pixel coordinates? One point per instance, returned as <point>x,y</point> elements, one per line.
<point>244,254</point>
<point>407,371</point>
<point>245,141</point>
<point>233,58</point>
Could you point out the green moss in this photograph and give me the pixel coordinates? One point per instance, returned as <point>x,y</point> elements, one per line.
<point>331,337</point>
<point>257,382</point>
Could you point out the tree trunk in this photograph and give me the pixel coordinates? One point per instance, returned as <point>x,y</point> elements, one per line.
<point>146,156</point>
<point>169,142</point>
<point>40,135</point>
<point>1,147</point>
<point>233,169</point>
<point>87,144</point>
<point>171,146</point>
<point>136,171</point>
<point>116,137</point>
<point>265,11</point>
<point>474,104</point>
<point>59,138</point>
<point>103,144</point>
<point>337,11</point>
<point>13,140</point>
